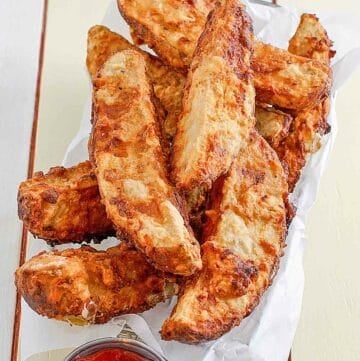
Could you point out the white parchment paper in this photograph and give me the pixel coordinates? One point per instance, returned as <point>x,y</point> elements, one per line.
<point>267,334</point>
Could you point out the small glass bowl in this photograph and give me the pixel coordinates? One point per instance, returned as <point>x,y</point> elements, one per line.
<point>127,344</point>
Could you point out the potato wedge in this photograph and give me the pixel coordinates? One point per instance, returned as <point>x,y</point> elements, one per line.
<point>311,40</point>
<point>218,100</point>
<point>167,82</point>
<point>310,124</point>
<point>85,286</point>
<point>125,148</point>
<point>64,205</point>
<point>244,237</point>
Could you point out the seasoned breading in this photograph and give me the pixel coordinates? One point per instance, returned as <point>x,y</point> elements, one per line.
<point>170,27</point>
<point>287,80</point>
<point>218,100</point>
<point>64,205</point>
<point>311,40</point>
<point>87,286</point>
<point>168,83</point>
<point>310,124</point>
<point>131,169</point>
<point>173,27</point>
<point>272,124</point>
<point>244,238</point>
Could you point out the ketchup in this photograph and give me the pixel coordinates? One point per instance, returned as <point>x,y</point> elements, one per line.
<point>112,354</point>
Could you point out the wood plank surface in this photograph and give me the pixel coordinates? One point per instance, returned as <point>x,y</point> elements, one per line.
<point>20,33</point>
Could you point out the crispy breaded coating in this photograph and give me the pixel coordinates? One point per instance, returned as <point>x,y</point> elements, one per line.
<point>244,237</point>
<point>311,40</point>
<point>287,80</point>
<point>84,286</point>
<point>272,124</point>
<point>64,205</point>
<point>168,83</point>
<point>173,27</point>
<point>170,27</point>
<point>310,124</point>
<point>218,101</point>
<point>131,169</point>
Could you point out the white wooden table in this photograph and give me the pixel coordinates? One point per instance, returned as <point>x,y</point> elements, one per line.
<point>330,323</point>
<point>20,39</point>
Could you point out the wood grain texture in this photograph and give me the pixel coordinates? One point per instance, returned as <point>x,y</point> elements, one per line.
<point>30,171</point>
<point>19,63</point>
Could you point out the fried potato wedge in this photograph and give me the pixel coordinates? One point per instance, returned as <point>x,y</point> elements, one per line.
<point>84,286</point>
<point>287,80</point>
<point>168,83</point>
<point>172,28</point>
<point>125,148</point>
<point>218,100</point>
<point>272,124</point>
<point>310,124</point>
<point>311,40</point>
<point>244,237</point>
<point>64,205</point>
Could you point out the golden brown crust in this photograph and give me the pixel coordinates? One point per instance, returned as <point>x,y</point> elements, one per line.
<point>244,239</point>
<point>180,26</point>
<point>88,286</point>
<point>131,169</point>
<point>287,80</point>
<point>304,139</point>
<point>218,99</point>
<point>64,205</point>
<point>311,40</point>
<point>310,124</point>
<point>173,27</point>
<point>168,83</point>
<point>101,45</point>
<point>272,124</point>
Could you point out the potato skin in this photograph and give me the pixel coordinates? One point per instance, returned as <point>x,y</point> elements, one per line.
<point>310,124</point>
<point>85,286</point>
<point>64,205</point>
<point>244,237</point>
<point>311,40</point>
<point>168,83</point>
<point>287,80</point>
<point>218,100</point>
<point>181,24</point>
<point>125,148</point>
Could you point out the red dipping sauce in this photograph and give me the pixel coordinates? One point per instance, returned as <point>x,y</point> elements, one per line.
<point>112,354</point>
